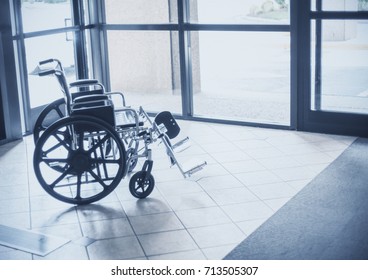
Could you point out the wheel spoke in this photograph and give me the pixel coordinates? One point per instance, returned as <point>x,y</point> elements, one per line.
<point>97,178</point>
<point>61,177</point>
<point>79,184</point>
<point>62,142</point>
<point>60,113</point>
<point>53,148</point>
<point>99,144</point>
<point>49,160</point>
<point>140,185</point>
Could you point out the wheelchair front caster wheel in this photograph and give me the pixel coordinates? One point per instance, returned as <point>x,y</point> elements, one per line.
<point>140,186</point>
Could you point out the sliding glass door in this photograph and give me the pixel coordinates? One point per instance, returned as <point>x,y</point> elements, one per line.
<point>339,65</point>
<point>243,68</point>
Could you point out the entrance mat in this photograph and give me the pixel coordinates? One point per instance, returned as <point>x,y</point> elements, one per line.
<point>326,220</point>
<point>29,241</point>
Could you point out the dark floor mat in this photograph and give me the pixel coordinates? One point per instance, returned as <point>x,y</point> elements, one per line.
<point>328,219</point>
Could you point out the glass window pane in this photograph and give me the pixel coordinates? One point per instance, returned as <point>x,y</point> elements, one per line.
<point>345,5</point>
<point>240,11</point>
<point>44,90</point>
<point>144,65</point>
<point>344,67</point>
<point>342,5</point>
<point>46,14</point>
<point>141,11</point>
<point>243,76</point>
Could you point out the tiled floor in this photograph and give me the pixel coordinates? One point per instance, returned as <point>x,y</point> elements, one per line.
<point>251,173</point>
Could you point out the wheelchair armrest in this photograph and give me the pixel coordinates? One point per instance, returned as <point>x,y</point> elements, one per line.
<point>117,93</point>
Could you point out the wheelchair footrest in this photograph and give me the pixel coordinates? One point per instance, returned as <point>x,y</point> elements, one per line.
<point>193,166</point>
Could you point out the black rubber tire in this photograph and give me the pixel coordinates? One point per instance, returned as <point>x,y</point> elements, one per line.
<point>51,113</point>
<point>140,189</point>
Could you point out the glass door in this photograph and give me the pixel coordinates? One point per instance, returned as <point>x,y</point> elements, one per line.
<point>241,65</point>
<point>45,29</point>
<point>339,66</point>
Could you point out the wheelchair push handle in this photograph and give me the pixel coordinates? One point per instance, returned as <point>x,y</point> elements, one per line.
<point>46,72</point>
<point>50,60</point>
<point>46,61</point>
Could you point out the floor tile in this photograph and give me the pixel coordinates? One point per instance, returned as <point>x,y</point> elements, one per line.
<point>15,205</point>
<point>298,149</point>
<point>15,255</point>
<point>145,206</point>
<point>272,191</point>
<point>279,162</point>
<point>248,227</point>
<point>190,201</point>
<point>167,242</point>
<point>313,158</point>
<point>18,220</point>
<point>268,152</point>
<point>296,173</point>
<point>231,196</point>
<point>115,249</point>
<point>218,252</point>
<point>203,217</point>
<point>258,178</point>
<point>155,223</point>
<point>331,145</point>
<point>219,147</point>
<point>100,211</point>
<point>224,157</point>
<point>53,217</point>
<point>178,187</point>
<point>107,228</point>
<point>16,178</point>
<point>187,255</point>
<point>247,211</point>
<point>247,145</point>
<point>13,192</point>
<point>219,182</point>
<point>209,171</point>
<point>277,203</point>
<point>216,235</point>
<point>45,202</point>
<point>243,166</point>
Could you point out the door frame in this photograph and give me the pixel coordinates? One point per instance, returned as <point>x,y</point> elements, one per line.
<point>312,120</point>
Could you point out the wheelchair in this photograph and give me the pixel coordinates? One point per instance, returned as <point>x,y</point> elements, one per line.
<point>82,156</point>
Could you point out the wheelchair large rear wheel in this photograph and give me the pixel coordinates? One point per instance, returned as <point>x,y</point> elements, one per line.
<point>79,144</point>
